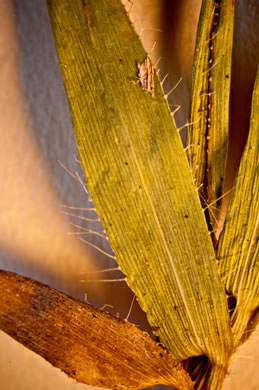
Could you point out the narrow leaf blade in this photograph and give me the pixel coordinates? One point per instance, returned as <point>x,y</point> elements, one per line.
<point>238,251</point>
<point>209,118</point>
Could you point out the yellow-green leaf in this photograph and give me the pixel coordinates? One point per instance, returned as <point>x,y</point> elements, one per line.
<point>238,251</point>
<point>139,179</point>
<point>209,118</point>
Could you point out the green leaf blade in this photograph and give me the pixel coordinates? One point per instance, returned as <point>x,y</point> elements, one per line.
<point>209,118</point>
<point>238,250</point>
<point>139,179</point>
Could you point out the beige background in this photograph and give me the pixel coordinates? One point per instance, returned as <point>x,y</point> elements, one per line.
<point>35,132</point>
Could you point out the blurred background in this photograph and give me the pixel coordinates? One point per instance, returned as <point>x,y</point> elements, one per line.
<point>37,236</point>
